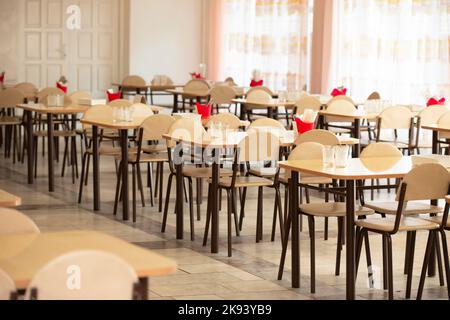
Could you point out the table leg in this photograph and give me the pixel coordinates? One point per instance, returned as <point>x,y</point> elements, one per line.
<point>295,241</point>
<point>50,142</point>
<point>242,110</point>
<point>435,142</point>
<point>143,282</point>
<point>30,147</point>
<point>96,170</point>
<point>124,162</point>
<point>179,192</point>
<point>215,202</point>
<point>350,244</point>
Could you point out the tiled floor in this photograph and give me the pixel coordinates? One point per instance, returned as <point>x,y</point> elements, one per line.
<point>250,274</point>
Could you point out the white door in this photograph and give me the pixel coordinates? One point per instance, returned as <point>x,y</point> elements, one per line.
<point>87,57</point>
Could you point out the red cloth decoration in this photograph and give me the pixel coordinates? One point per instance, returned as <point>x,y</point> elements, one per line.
<point>2,77</point>
<point>339,92</point>
<point>303,127</point>
<point>113,96</point>
<point>196,76</point>
<point>204,110</point>
<point>254,83</point>
<point>434,102</point>
<point>60,86</point>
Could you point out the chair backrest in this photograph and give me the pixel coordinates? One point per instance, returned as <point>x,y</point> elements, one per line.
<point>431,115</point>
<point>133,81</point>
<point>341,98</point>
<point>307,102</point>
<point>230,82</point>
<point>186,128</point>
<point>162,80</point>
<point>229,119</point>
<point>15,222</point>
<point>379,150</point>
<point>140,110</point>
<point>267,123</point>
<point>197,85</point>
<point>324,137</point>
<point>76,96</point>
<point>429,181</point>
<point>374,96</point>
<point>27,88</point>
<point>396,118</point>
<point>99,112</point>
<point>261,88</point>
<point>444,121</point>
<point>7,286</point>
<point>259,146</point>
<point>341,106</point>
<point>11,97</point>
<point>258,96</point>
<point>222,94</point>
<point>156,126</point>
<point>120,103</point>
<point>84,275</point>
<point>44,93</point>
<point>307,151</point>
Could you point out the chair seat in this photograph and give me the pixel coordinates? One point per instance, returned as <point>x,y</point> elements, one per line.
<point>332,209</point>
<point>158,148</point>
<point>264,172</point>
<point>412,208</point>
<point>270,173</point>
<point>107,151</point>
<point>387,224</point>
<point>242,182</point>
<point>437,220</point>
<point>56,133</point>
<point>146,158</point>
<point>204,173</point>
<point>10,121</point>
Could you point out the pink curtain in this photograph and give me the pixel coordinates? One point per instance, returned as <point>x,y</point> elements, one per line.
<point>214,43</point>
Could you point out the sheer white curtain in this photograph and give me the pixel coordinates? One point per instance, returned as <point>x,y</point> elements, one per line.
<point>400,48</point>
<point>271,36</point>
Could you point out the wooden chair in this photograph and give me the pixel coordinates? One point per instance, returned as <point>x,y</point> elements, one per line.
<point>396,119</point>
<point>194,86</point>
<point>374,96</point>
<point>307,102</point>
<point>84,275</point>
<point>76,97</point>
<point>8,289</point>
<point>313,151</point>
<point>120,103</point>
<point>129,84</point>
<point>9,98</point>
<point>257,147</point>
<point>162,81</point>
<point>29,90</point>
<point>425,182</point>
<point>226,119</point>
<point>15,222</point>
<point>257,95</point>
<point>444,138</point>
<point>152,129</point>
<point>221,97</point>
<point>230,81</point>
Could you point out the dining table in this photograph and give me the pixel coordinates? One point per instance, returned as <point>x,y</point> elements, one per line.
<point>123,128</point>
<point>272,105</point>
<point>23,255</point>
<point>436,129</point>
<point>9,200</point>
<point>38,108</point>
<point>356,169</point>
<point>149,88</point>
<point>197,95</point>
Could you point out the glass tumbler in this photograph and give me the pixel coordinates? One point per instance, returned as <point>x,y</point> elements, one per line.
<point>328,156</point>
<point>342,154</point>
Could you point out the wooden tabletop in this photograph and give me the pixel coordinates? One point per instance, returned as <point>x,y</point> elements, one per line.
<point>40,108</point>
<point>436,128</point>
<point>354,115</point>
<point>273,103</point>
<point>150,86</point>
<point>231,140</point>
<point>9,200</point>
<point>21,256</point>
<point>112,124</point>
<point>356,169</point>
<point>193,94</point>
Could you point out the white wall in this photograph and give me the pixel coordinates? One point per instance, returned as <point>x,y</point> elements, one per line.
<point>165,38</point>
<point>9,36</point>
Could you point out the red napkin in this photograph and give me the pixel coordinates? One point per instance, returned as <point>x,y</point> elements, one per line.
<point>435,102</point>
<point>339,92</point>
<point>2,77</point>
<point>196,75</point>
<point>204,110</point>
<point>303,127</point>
<point>256,83</point>
<point>60,86</point>
<point>113,95</point>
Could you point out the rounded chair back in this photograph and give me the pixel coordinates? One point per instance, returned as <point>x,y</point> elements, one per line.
<point>76,96</point>
<point>307,151</point>
<point>380,149</point>
<point>44,93</point>
<point>133,81</point>
<point>374,96</point>
<point>431,115</point>
<point>140,110</point>
<point>11,97</point>
<point>260,88</point>
<point>99,112</point>
<point>396,118</point>
<point>28,89</point>
<point>222,95</point>
<point>15,222</point>
<point>84,275</point>
<point>120,103</point>
<point>156,126</point>
<point>324,137</point>
<point>267,123</point>
<point>259,146</point>
<point>229,119</point>
<point>186,128</point>
<point>7,286</point>
<point>162,80</point>
<point>197,85</point>
<point>307,102</point>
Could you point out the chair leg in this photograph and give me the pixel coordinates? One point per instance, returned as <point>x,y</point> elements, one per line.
<point>426,262</point>
<point>133,169</point>
<point>157,180</point>
<point>312,237</point>
<point>63,171</point>
<point>198,197</point>
<point>83,166</point>
<point>191,209</point>
<point>208,217</point>
<point>118,190</point>
<point>284,242</point>
<point>87,170</point>
<point>259,222</point>
<point>166,206</point>
<point>242,214</point>
<point>229,209</point>
<point>140,184</point>
<point>446,260</point>
<point>339,246</point>
<point>437,247</point>
<point>161,185</point>
<point>274,219</point>
<point>150,185</point>
<point>234,211</point>
<point>385,265</point>
<point>412,245</point>
<point>390,267</point>
<point>368,259</point>
<point>407,251</point>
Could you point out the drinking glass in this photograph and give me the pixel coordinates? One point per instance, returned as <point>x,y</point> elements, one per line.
<point>342,154</point>
<point>328,156</point>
